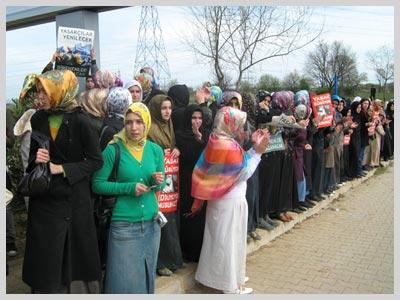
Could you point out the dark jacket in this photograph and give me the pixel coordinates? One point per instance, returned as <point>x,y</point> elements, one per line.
<point>112,124</point>
<point>61,242</point>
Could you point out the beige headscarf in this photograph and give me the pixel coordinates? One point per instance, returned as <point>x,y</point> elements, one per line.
<point>161,131</point>
<point>94,101</point>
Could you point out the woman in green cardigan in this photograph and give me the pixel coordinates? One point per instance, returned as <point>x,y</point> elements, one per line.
<point>134,236</point>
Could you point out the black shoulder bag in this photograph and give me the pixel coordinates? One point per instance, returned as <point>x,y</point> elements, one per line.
<point>104,205</point>
<point>37,181</point>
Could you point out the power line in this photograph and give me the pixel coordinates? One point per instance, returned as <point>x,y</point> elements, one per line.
<point>150,51</point>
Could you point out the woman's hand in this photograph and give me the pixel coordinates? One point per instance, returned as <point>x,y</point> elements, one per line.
<point>260,139</point>
<point>158,177</point>
<point>304,123</point>
<point>56,169</point>
<point>263,106</point>
<point>175,153</point>
<point>42,156</point>
<point>196,208</point>
<point>307,147</point>
<point>197,133</point>
<point>141,189</point>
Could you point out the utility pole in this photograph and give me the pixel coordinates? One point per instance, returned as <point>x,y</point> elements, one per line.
<point>150,50</point>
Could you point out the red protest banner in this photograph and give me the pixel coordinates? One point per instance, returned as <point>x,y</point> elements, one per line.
<point>322,108</point>
<point>346,139</point>
<point>169,196</point>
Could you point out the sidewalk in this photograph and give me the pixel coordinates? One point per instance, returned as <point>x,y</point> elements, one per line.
<point>182,281</point>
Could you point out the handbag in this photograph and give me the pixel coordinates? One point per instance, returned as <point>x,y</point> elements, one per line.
<point>37,181</point>
<point>103,208</point>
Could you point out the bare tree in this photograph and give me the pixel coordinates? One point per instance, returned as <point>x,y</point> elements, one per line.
<point>381,61</point>
<point>235,39</point>
<point>328,61</point>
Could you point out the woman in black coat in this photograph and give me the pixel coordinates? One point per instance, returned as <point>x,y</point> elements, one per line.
<point>355,141</point>
<point>191,140</point>
<point>61,254</point>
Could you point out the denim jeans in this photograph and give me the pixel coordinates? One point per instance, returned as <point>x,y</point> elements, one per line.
<point>301,189</point>
<point>132,257</point>
<point>328,182</point>
<point>360,160</point>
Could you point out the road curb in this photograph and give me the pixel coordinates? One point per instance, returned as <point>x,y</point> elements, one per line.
<point>183,279</point>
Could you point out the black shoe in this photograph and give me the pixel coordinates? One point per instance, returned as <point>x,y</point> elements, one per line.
<point>164,272</point>
<point>306,204</point>
<point>310,203</point>
<point>11,249</point>
<point>255,236</point>
<point>271,221</point>
<point>262,224</point>
<point>317,198</point>
<point>297,210</point>
<point>248,238</point>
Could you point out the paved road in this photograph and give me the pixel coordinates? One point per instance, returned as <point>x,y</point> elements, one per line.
<point>349,250</point>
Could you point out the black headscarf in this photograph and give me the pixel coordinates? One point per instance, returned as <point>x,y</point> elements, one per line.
<point>179,94</point>
<point>186,131</point>
<point>354,113</point>
<point>389,112</point>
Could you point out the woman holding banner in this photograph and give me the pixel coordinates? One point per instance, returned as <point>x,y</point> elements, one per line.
<point>162,133</point>
<point>220,177</point>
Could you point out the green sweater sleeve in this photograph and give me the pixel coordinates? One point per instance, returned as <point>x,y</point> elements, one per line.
<point>159,153</point>
<point>100,183</point>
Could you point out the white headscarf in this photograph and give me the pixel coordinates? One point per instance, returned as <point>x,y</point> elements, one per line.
<point>132,83</point>
<point>357,99</point>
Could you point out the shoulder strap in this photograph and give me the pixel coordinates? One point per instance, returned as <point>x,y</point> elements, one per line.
<point>114,172</point>
<point>102,132</point>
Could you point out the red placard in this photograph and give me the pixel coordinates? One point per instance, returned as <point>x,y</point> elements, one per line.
<point>169,196</point>
<point>346,139</point>
<point>322,107</point>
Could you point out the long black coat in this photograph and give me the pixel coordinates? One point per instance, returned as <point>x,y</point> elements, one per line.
<point>61,243</point>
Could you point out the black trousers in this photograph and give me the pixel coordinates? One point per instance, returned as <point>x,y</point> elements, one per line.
<point>252,197</point>
<point>317,171</point>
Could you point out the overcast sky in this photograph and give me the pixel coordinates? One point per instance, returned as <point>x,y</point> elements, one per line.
<point>28,50</point>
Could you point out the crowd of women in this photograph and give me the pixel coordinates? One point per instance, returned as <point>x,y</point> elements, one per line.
<point>231,181</point>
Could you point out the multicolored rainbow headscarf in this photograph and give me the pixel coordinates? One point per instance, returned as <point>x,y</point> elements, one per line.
<point>223,162</point>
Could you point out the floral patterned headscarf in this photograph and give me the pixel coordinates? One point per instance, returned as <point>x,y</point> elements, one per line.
<point>228,122</point>
<point>118,100</point>
<point>229,95</point>
<point>145,81</point>
<point>61,87</point>
<point>104,79</point>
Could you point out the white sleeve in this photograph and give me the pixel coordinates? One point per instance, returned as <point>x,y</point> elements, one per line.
<point>252,163</point>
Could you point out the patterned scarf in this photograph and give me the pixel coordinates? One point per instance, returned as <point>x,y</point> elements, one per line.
<point>118,100</point>
<point>216,95</point>
<point>229,95</point>
<point>223,162</point>
<point>61,87</point>
<point>104,79</point>
<point>145,81</point>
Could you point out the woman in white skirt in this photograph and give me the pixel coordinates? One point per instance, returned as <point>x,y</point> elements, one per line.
<point>220,177</point>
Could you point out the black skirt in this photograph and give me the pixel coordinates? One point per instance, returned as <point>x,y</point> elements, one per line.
<point>170,254</point>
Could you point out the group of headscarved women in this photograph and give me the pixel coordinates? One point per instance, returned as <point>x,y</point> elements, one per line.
<point>230,182</point>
